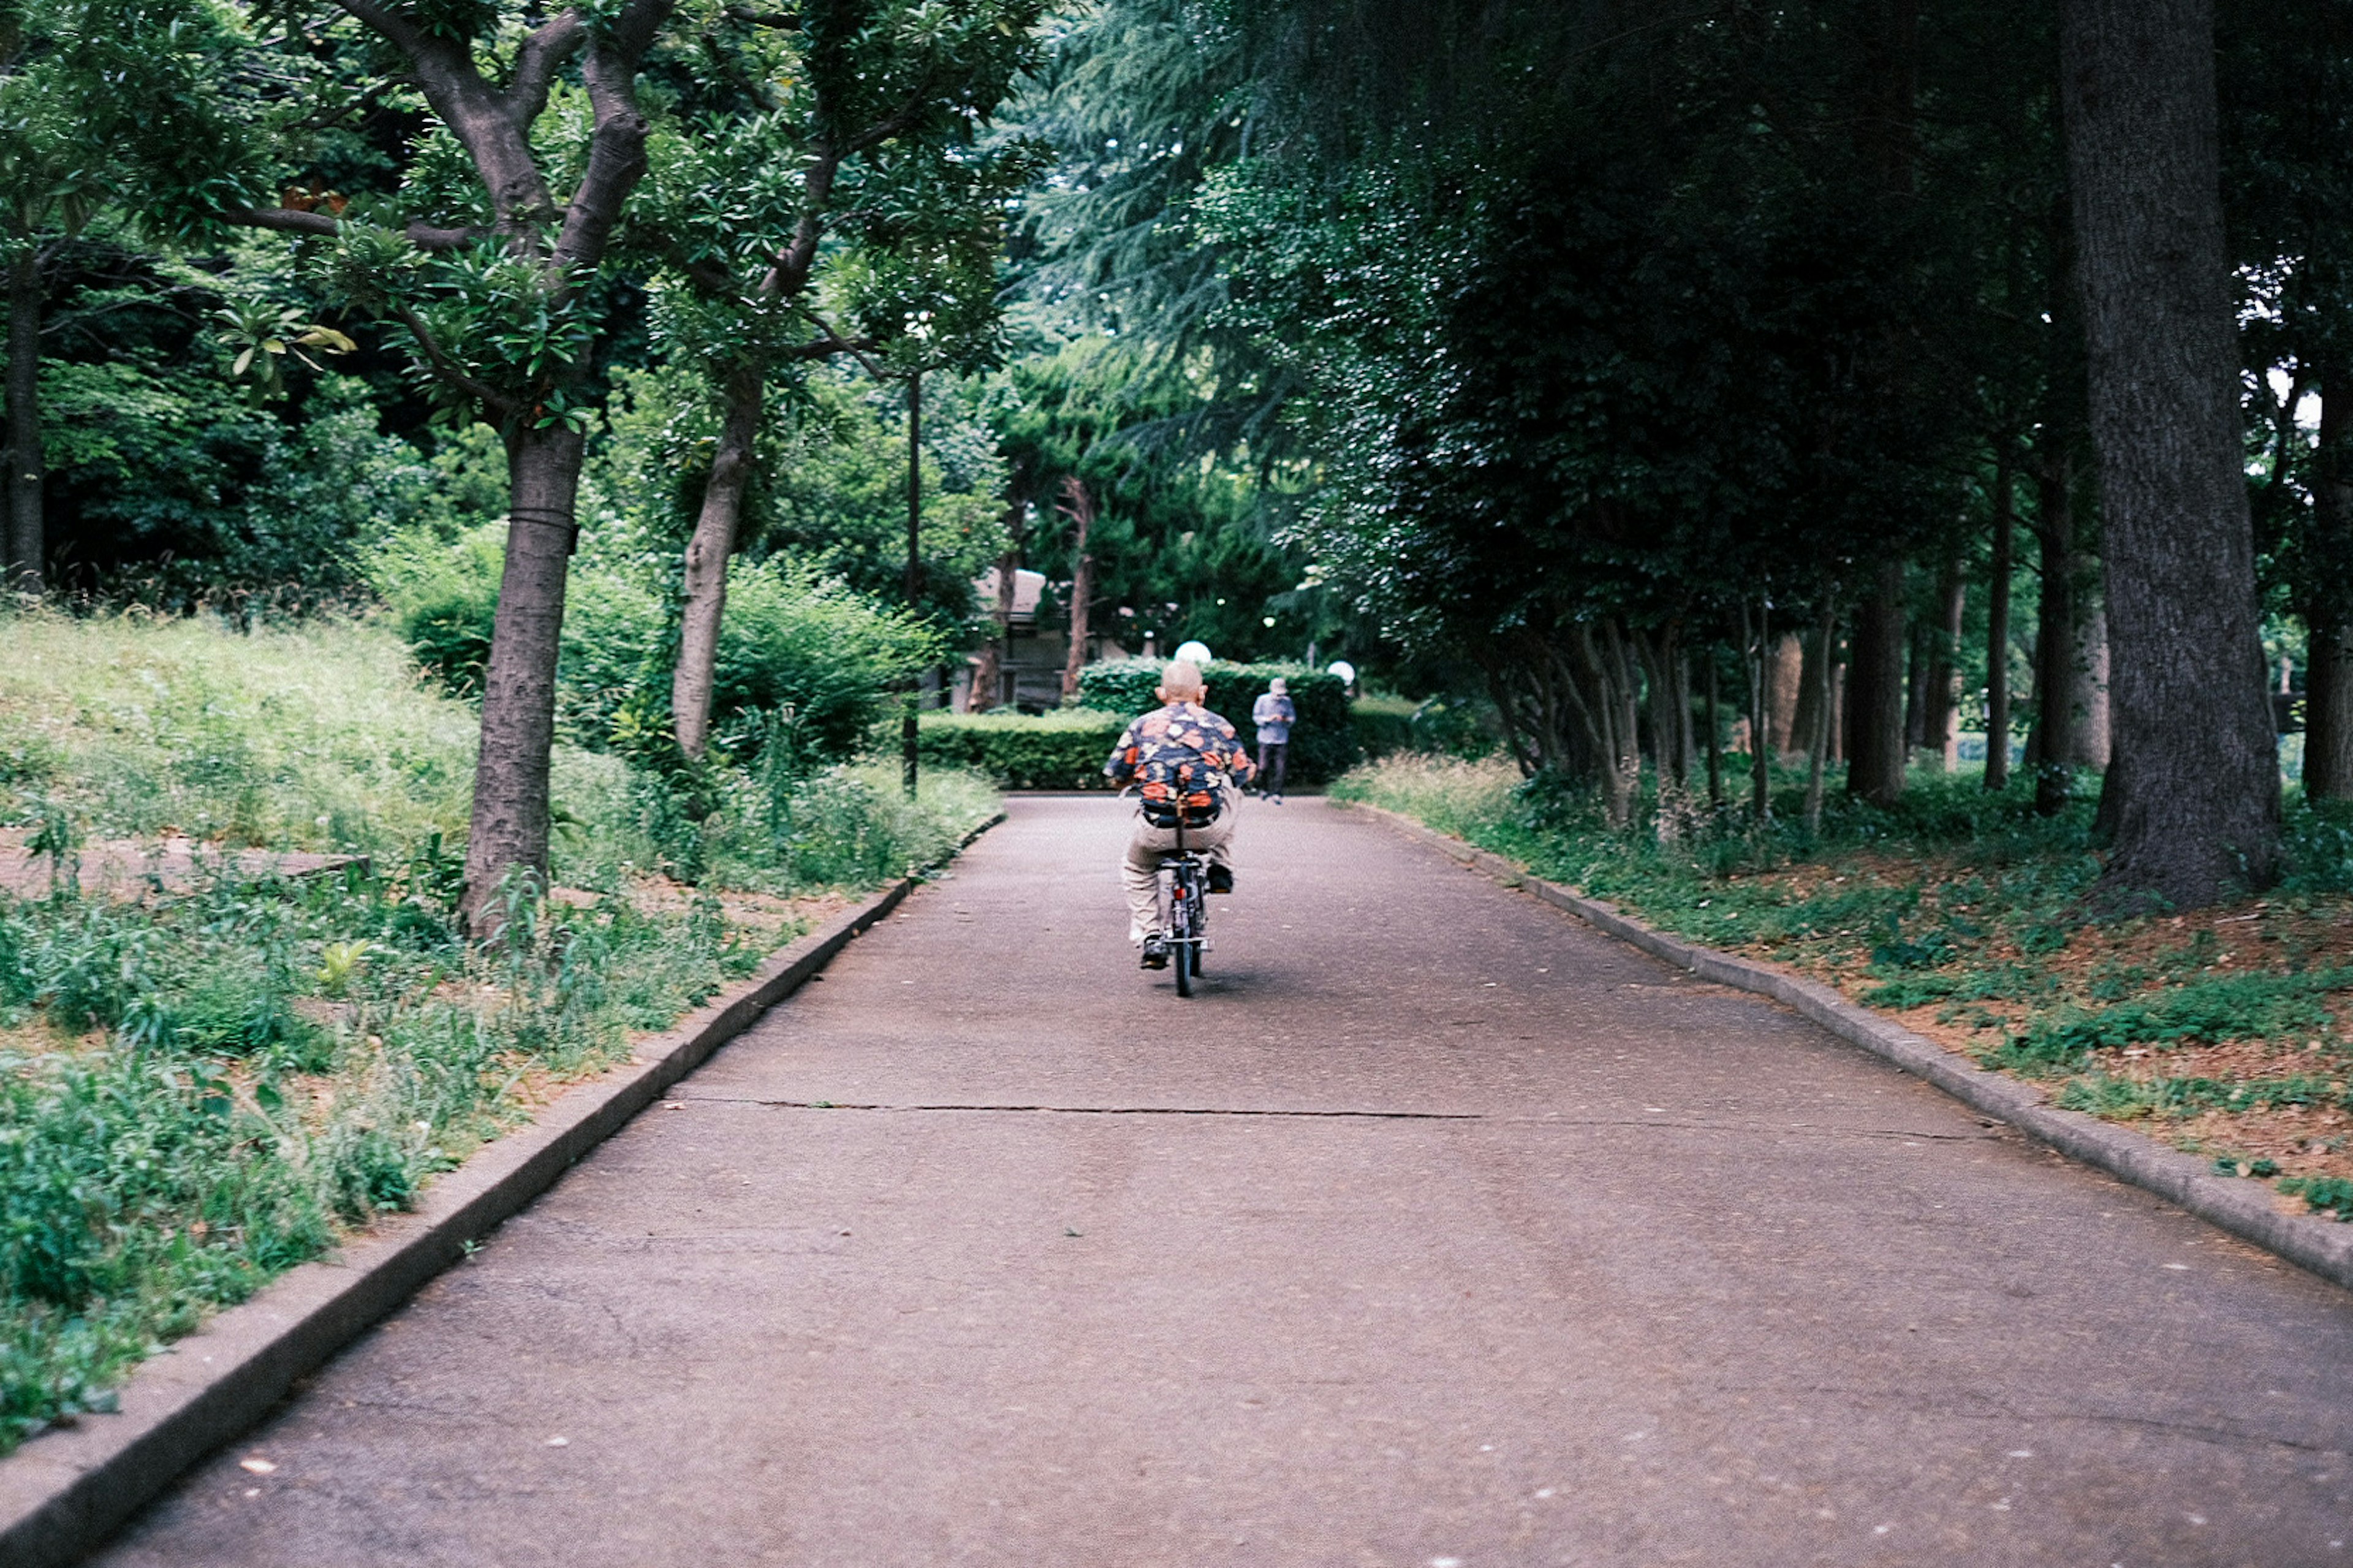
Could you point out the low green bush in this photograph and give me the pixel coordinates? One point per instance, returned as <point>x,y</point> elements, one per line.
<point>1324,743</point>
<point>792,637</point>
<point>1064,750</point>
<point>1384,725</point>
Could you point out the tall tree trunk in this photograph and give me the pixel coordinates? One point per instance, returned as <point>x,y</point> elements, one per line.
<point>1078,506</point>
<point>1760,711</point>
<point>707,557</point>
<point>1944,662</point>
<point>1667,684</point>
<point>1875,695</point>
<point>2004,530</point>
<point>2197,813</point>
<point>1818,754</point>
<point>26,541</point>
<point>996,654</point>
<point>2327,599</point>
<point>1919,670</point>
<point>1787,687</point>
<point>2088,736</point>
<point>511,806</point>
<point>2328,714</point>
<point>2054,744</point>
<point>1715,732</point>
<point>1811,712</point>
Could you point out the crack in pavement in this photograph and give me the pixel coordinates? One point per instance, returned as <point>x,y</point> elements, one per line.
<point>1091,1110</point>
<point>1897,1133</point>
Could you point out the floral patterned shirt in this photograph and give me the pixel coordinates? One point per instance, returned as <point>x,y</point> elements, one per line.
<point>1181,731</point>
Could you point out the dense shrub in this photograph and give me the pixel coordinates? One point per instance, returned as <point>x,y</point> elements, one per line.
<point>792,637</point>
<point>1383,725</point>
<point>1053,750</point>
<point>1322,742</point>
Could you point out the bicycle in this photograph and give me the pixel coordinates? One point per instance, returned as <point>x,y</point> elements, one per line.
<point>1185,924</point>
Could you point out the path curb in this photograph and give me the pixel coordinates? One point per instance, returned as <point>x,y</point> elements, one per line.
<point>2323,1247</point>
<point>64,1492</point>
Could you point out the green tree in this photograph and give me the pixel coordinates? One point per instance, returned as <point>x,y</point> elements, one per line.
<point>825,190</point>
<point>106,111</point>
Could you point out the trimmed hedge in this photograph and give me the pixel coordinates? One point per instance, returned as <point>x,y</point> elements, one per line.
<point>1051,751</point>
<point>1322,741</point>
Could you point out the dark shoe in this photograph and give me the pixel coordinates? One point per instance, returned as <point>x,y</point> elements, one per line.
<point>1278,800</point>
<point>1155,952</point>
<point>1221,880</point>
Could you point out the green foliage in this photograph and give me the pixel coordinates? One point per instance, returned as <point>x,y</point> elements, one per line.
<point>834,494</point>
<point>205,1086</point>
<point>2325,1195</point>
<point>231,1122</point>
<point>1322,741</point>
<point>792,639</point>
<point>2225,1008</point>
<point>1062,750</point>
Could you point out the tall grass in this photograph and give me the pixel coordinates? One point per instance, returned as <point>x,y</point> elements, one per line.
<point>201,1087</point>
<point>306,737</point>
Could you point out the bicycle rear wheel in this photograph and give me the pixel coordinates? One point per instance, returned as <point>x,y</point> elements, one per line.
<point>1180,930</point>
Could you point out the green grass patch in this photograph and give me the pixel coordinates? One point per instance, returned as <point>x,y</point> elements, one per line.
<point>205,1086</point>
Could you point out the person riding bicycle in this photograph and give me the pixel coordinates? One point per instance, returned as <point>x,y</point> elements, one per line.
<point>1183,759</point>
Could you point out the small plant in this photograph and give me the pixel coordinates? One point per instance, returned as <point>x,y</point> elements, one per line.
<point>56,839</point>
<point>2323,1194</point>
<point>339,962</point>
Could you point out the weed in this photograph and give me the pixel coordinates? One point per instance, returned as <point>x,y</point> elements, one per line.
<point>2325,1194</point>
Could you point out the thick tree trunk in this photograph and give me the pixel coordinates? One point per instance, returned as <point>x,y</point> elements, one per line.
<point>2327,600</point>
<point>509,823</point>
<point>1875,692</point>
<point>1078,506</point>
<point>27,540</point>
<point>2198,809</point>
<point>2328,714</point>
<point>707,557</point>
<point>2005,531</point>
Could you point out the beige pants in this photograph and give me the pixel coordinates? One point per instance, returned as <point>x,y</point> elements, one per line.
<point>1139,872</point>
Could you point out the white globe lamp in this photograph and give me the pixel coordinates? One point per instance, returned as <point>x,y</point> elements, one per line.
<point>1193,653</point>
<point>1343,669</point>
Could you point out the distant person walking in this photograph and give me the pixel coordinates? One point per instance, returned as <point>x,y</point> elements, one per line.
<point>1273,715</point>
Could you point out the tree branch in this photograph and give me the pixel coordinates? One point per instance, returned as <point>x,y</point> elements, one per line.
<point>617,151</point>
<point>789,273</point>
<point>293,220</point>
<point>883,129</point>
<point>543,54</point>
<point>449,369</point>
<point>480,116</point>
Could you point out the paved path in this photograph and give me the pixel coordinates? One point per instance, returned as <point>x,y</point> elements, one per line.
<point>1439,1230</point>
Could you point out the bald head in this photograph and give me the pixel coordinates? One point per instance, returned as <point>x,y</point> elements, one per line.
<point>1181,682</point>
